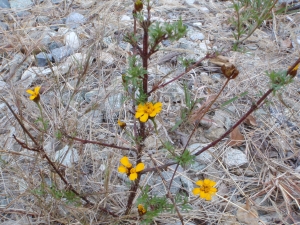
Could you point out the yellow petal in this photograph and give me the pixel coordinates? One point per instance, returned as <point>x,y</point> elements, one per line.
<point>32,97</point>
<point>37,89</point>
<point>133,176</point>
<point>138,114</point>
<point>144,118</point>
<point>199,183</point>
<point>213,190</point>
<point>196,191</point>
<point>125,162</point>
<point>122,169</point>
<point>140,167</point>
<point>30,92</point>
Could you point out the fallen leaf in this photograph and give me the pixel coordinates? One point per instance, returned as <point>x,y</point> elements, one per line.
<point>236,138</point>
<point>219,60</point>
<point>198,114</point>
<point>250,120</point>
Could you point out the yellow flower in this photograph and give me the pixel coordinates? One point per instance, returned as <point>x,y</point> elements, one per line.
<point>141,209</point>
<point>35,93</point>
<point>206,189</point>
<point>121,124</point>
<point>144,111</point>
<point>127,168</point>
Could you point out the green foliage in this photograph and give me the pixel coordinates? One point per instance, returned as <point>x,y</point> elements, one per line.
<point>44,122</point>
<point>185,159</point>
<point>279,79</point>
<point>162,31</point>
<point>250,14</point>
<point>185,62</point>
<point>58,134</point>
<point>154,205</point>
<point>234,98</point>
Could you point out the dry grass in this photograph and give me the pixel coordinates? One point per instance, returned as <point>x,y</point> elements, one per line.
<point>269,182</point>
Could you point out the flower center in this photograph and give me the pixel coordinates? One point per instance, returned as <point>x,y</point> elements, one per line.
<point>205,188</point>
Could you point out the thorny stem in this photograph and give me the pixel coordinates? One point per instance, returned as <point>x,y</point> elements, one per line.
<point>180,75</point>
<point>212,144</point>
<point>195,127</point>
<point>84,141</point>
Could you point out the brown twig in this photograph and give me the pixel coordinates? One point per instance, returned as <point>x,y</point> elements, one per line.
<point>84,141</point>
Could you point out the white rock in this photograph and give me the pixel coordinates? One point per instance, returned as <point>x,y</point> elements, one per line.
<point>106,57</point>
<point>189,2</point>
<point>29,75</point>
<point>72,40</point>
<point>125,18</point>
<point>204,9</point>
<point>235,158</point>
<point>66,156</point>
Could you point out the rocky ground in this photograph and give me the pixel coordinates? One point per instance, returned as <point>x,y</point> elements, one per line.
<point>75,51</point>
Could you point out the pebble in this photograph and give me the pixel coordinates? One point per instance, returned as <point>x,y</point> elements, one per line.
<point>56,1</point>
<point>189,2</point>
<point>3,26</point>
<point>42,59</point>
<point>204,9</point>
<point>60,53</point>
<point>42,19</point>
<point>19,4</point>
<point>195,36</point>
<point>66,156</point>
<point>54,45</point>
<point>72,40</point>
<point>235,158</point>
<point>75,19</point>
<point>4,4</point>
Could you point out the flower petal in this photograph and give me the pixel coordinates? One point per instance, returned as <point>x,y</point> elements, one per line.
<point>139,167</point>
<point>199,183</point>
<point>37,89</point>
<point>30,92</point>
<point>133,176</point>
<point>125,162</point>
<point>139,114</point>
<point>122,169</point>
<point>144,118</point>
<point>196,191</point>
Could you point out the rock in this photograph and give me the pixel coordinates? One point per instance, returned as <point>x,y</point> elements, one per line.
<point>42,19</point>
<point>59,53</point>
<point>198,24</point>
<point>195,36</point>
<point>204,9</point>
<point>75,19</point>
<point>235,158</point>
<point>87,3</point>
<point>72,40</point>
<point>189,2</point>
<point>56,1</point>
<point>56,23</point>
<point>19,4</point>
<point>4,4</point>
<point>205,157</point>
<point>173,92</point>
<point>125,18</point>
<point>152,143</point>
<point>66,156</point>
<point>297,170</point>
<point>29,75</point>
<point>106,58</point>
<point>3,26</point>
<point>42,59</point>
<point>214,132</point>
<point>54,45</point>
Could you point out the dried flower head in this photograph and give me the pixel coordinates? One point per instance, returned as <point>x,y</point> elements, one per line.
<point>206,189</point>
<point>293,72</point>
<point>35,93</point>
<point>138,5</point>
<point>126,167</point>
<point>147,110</point>
<point>141,209</point>
<point>121,124</point>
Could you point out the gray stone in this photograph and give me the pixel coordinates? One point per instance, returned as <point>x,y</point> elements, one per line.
<point>66,156</point>
<point>42,19</point>
<point>195,36</point>
<point>29,75</point>
<point>42,59</point>
<point>205,157</point>
<point>4,4</point>
<point>3,26</point>
<point>57,23</point>
<point>72,40</point>
<point>54,45</point>
<point>60,53</point>
<point>204,9</point>
<point>23,13</point>
<point>75,19</point>
<point>189,2</point>
<point>235,158</point>
<point>19,4</point>
<point>214,132</point>
<point>56,1</point>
